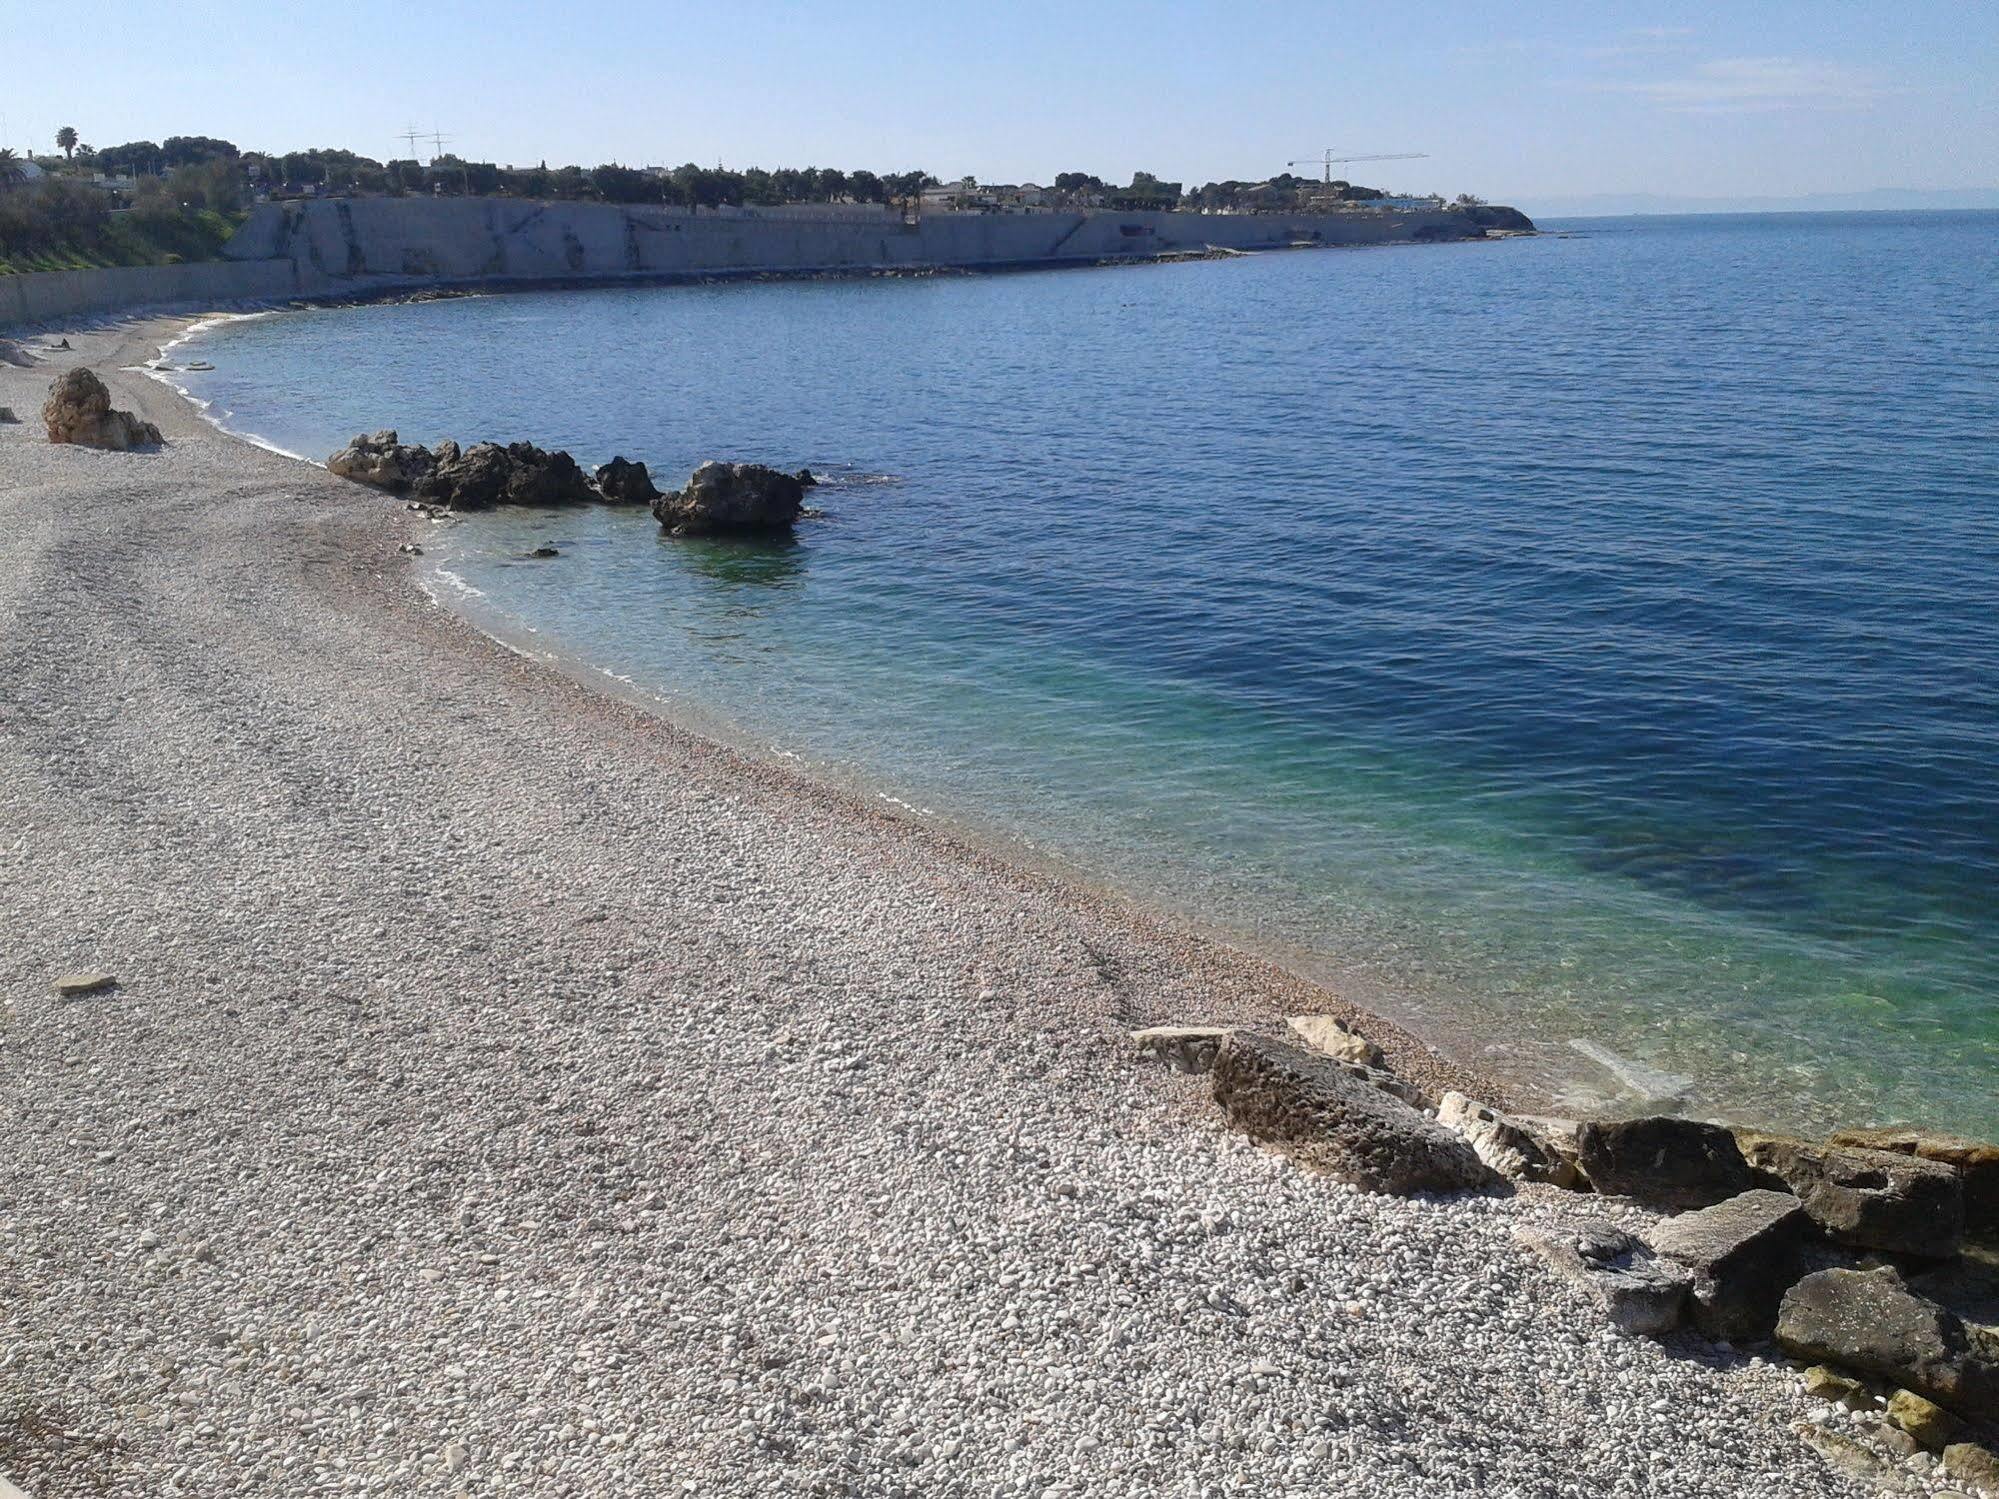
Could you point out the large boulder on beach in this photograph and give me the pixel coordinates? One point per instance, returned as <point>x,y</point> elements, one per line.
<point>1663,1160</point>
<point>732,499</point>
<point>78,411</point>
<point>1637,1291</point>
<point>382,461</point>
<point>1871,1199</point>
<point>1975,1161</point>
<point>1520,1147</point>
<point>1743,1255</point>
<point>1316,1110</point>
<point>623,482</point>
<point>1871,1322</point>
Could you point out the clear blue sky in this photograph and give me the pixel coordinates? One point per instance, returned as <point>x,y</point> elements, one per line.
<point>1514,102</point>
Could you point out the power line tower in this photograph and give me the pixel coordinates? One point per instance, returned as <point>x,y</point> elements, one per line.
<point>438,142</point>
<point>412,135</point>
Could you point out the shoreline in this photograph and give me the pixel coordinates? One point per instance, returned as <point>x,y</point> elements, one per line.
<point>1436,1069</point>
<point>503,1082</point>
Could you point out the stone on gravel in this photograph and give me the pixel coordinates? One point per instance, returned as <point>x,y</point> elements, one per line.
<point>78,411</point>
<point>731,499</point>
<point>1313,1108</point>
<point>1973,1463</point>
<point>1663,1161</point>
<point>1977,1162</point>
<point>1925,1420</point>
<point>7,417</point>
<point>1184,1048</point>
<point>89,981</point>
<point>1336,1039</point>
<point>1743,1255</point>
<point>1873,1199</point>
<point>1508,1145</point>
<point>1870,1321</point>
<point>1639,1292</point>
<point>1830,1384</point>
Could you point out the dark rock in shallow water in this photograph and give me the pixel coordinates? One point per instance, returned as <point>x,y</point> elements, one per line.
<point>78,411</point>
<point>476,478</point>
<point>806,477</point>
<point>1314,1109</point>
<point>1665,1161</point>
<point>732,499</point>
<point>1870,1321</point>
<point>623,482</point>
<point>1743,1254</point>
<point>544,552</point>
<point>1872,1199</point>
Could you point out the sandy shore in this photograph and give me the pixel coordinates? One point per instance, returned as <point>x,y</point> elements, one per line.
<point>508,1093</point>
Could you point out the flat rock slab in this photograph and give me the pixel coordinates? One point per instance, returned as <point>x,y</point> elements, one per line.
<point>1663,1160</point>
<point>90,981</point>
<point>1870,1321</point>
<point>1317,1111</point>
<point>1976,1161</point>
<point>1872,1199</point>
<point>1184,1048</point>
<point>1638,1291</point>
<point>1742,1254</point>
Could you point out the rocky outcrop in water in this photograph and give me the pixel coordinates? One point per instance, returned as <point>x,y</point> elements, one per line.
<point>723,499</point>
<point>475,478</point>
<point>622,482</point>
<point>78,411</point>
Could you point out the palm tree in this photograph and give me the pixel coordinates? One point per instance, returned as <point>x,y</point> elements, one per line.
<point>11,169</point>
<point>66,141</point>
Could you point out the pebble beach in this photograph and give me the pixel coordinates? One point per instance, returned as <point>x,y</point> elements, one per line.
<point>505,1091</point>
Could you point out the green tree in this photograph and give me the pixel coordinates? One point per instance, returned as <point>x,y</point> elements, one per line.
<point>66,141</point>
<point>12,170</point>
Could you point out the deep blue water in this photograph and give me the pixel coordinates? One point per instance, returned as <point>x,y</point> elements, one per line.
<point>1584,639</point>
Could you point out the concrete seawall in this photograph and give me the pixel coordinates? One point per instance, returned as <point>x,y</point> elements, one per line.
<point>371,246</point>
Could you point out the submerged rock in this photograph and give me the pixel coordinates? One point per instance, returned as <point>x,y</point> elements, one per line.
<point>1663,1160</point>
<point>1872,1199</point>
<point>1870,1321</point>
<point>78,411</point>
<point>623,482</point>
<point>731,499</point>
<point>1314,1109</point>
<point>1639,1292</point>
<point>1743,1255</point>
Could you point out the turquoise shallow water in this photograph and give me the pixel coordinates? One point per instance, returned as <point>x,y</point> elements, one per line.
<point>1584,648</point>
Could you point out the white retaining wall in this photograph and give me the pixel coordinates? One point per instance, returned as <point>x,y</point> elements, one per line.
<point>355,247</point>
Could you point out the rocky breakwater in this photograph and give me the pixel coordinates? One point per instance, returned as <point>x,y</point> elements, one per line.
<point>1859,1257</point>
<point>78,411</point>
<point>720,499</point>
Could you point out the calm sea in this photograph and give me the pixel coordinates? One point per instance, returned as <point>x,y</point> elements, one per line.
<point>1585,648</point>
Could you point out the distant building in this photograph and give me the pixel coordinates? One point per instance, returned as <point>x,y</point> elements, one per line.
<point>968,195</point>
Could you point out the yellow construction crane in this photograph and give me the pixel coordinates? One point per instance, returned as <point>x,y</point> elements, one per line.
<point>1329,161</point>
